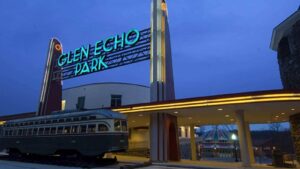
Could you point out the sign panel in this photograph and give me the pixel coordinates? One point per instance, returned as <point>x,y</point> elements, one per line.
<point>129,47</point>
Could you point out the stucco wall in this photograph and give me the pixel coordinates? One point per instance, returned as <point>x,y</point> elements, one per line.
<point>99,95</point>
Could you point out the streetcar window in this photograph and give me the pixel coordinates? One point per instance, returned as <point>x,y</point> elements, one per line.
<point>35,131</point>
<point>41,131</point>
<point>92,117</point>
<point>53,130</point>
<point>83,118</point>
<point>54,121</point>
<point>10,132</point>
<point>117,125</point>
<point>42,122</point>
<point>26,123</point>
<point>29,133</point>
<point>102,127</point>
<point>20,132</point>
<point>76,119</point>
<point>31,123</point>
<point>60,130</point>
<point>61,120</point>
<point>48,121</point>
<point>74,129</point>
<point>68,119</point>
<point>17,124</point>
<point>91,128</point>
<point>83,129</point>
<point>24,132</point>
<point>47,131</point>
<point>36,122</point>
<point>67,130</point>
<point>124,125</point>
<point>15,132</point>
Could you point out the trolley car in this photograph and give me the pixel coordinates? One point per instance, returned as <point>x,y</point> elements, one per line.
<point>86,133</point>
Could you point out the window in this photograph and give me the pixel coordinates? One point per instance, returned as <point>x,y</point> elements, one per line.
<point>48,121</point>
<point>68,119</point>
<point>47,131</point>
<point>42,122</point>
<point>15,132</point>
<point>60,130</point>
<point>63,104</point>
<point>10,132</point>
<point>20,132</point>
<point>83,118</point>
<point>91,128</point>
<point>83,129</point>
<point>53,130</point>
<point>102,127</point>
<point>24,132</point>
<point>80,103</point>
<point>41,131</point>
<point>92,117</point>
<point>116,100</point>
<point>76,119</point>
<point>36,122</point>
<point>35,131</point>
<point>67,130</point>
<point>124,125</point>
<point>74,129</point>
<point>29,133</point>
<point>54,121</point>
<point>117,125</point>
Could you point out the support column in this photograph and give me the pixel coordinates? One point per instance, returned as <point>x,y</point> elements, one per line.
<point>242,133</point>
<point>250,145</point>
<point>193,143</point>
<point>295,128</point>
<point>163,127</point>
<point>164,145</point>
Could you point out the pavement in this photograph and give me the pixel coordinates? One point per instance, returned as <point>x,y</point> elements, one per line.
<point>130,160</point>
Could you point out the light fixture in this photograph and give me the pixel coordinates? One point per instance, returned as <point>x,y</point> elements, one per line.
<point>220,109</point>
<point>227,115</point>
<point>190,118</point>
<point>176,112</point>
<point>293,109</point>
<point>141,115</point>
<point>282,113</point>
<point>231,119</point>
<point>133,121</point>
<point>276,116</point>
<point>233,136</point>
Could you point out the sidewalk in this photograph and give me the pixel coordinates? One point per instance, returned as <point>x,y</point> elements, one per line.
<point>191,164</point>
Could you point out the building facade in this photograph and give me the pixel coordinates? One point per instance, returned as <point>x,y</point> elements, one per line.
<point>103,95</point>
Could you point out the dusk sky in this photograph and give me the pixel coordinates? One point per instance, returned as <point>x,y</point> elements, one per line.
<point>219,46</point>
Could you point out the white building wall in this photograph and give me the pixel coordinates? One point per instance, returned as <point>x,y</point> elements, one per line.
<point>98,95</point>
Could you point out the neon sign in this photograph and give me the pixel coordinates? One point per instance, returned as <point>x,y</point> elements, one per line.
<point>92,58</point>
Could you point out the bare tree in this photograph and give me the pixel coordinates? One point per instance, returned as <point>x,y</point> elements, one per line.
<point>275,127</point>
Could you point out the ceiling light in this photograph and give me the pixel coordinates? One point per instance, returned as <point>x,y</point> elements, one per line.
<point>227,115</point>
<point>141,115</point>
<point>190,118</point>
<point>293,109</point>
<point>276,116</point>
<point>231,119</point>
<point>283,113</point>
<point>133,121</point>
<point>176,112</point>
<point>220,109</point>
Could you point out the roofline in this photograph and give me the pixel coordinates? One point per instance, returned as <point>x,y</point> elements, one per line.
<point>251,93</point>
<point>274,32</point>
<point>90,84</point>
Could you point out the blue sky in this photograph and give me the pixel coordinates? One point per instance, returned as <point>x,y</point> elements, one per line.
<point>218,46</point>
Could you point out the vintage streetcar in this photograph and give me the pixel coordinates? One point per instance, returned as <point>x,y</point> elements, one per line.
<point>87,133</point>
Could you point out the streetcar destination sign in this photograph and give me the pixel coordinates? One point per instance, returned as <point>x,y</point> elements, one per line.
<point>91,58</point>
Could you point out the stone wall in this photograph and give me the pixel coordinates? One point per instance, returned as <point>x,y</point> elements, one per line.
<point>289,58</point>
